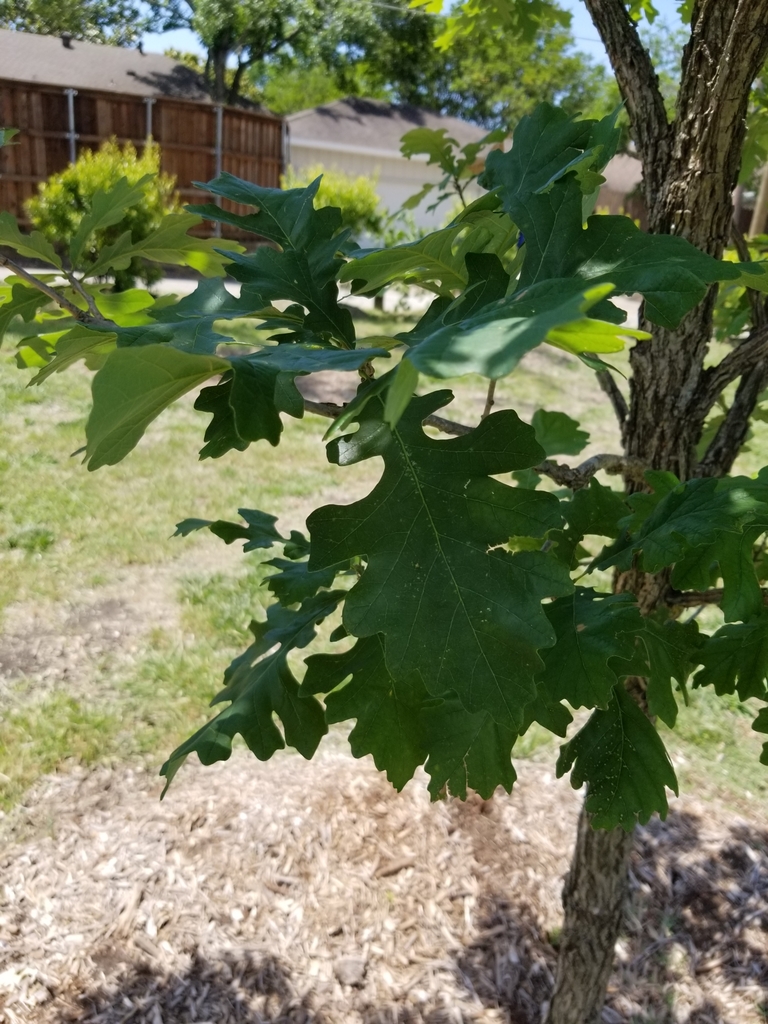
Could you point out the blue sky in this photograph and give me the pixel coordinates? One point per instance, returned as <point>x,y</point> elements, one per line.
<point>586,37</point>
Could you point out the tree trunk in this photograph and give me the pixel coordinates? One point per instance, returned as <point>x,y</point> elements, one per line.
<point>218,57</point>
<point>593,896</point>
<point>690,169</point>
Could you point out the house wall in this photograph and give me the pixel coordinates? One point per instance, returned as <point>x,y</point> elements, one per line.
<point>397,178</point>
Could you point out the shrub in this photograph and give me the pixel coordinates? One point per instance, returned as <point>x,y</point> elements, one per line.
<point>64,198</point>
<point>356,197</point>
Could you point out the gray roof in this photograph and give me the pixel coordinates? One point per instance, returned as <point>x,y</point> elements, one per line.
<point>373,124</point>
<point>45,60</point>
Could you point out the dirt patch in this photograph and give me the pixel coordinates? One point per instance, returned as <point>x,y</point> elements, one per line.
<point>291,892</point>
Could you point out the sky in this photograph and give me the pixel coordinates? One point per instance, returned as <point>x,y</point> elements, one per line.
<point>584,31</point>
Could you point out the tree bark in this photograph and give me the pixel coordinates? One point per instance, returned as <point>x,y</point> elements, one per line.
<point>593,896</point>
<point>690,169</point>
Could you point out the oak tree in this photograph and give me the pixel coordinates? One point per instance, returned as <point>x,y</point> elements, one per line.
<point>459,577</point>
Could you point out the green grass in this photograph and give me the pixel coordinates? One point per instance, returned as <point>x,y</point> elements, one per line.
<point>45,736</point>
<point>67,535</point>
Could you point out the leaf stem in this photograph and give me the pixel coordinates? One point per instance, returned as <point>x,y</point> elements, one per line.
<point>489,399</point>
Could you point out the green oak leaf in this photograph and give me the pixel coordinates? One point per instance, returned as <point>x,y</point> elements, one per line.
<point>259,530</point>
<point>595,641</point>
<point>23,302</point>
<point>558,434</point>
<point>466,751</point>
<point>672,651</point>
<point>107,207</point>
<point>170,243</point>
<point>132,389</point>
<point>592,511</point>
<point>290,275</point>
<point>294,582</point>
<point>80,342</point>
<point>261,686</point>
<point>493,339</point>
<point>468,615</point>
<point>305,267</point>
<point>731,558</point>
<point>541,181</point>
<point>621,757</point>
<point>692,515</point>
<point>34,245</point>
<point>284,216</point>
<point>387,710</point>
<point>437,261</point>
<point>735,659</point>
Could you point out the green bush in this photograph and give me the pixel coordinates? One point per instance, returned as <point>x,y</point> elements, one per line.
<point>357,198</point>
<point>62,201</point>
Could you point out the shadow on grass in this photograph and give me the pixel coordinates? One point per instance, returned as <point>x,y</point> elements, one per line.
<point>696,933</point>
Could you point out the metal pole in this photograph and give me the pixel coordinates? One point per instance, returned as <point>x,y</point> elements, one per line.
<point>72,135</point>
<point>218,155</point>
<point>285,148</point>
<point>761,206</point>
<point>149,102</point>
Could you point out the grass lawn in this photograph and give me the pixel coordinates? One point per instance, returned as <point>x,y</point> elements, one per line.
<point>115,635</point>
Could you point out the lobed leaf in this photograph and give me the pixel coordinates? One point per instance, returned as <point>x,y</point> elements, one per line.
<point>620,756</point>
<point>468,615</point>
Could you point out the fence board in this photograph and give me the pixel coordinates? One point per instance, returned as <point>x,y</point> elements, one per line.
<point>185,131</point>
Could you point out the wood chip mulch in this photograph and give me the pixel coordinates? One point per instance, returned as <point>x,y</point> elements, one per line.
<point>292,893</point>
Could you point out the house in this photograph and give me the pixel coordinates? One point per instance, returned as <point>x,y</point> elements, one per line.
<point>362,137</point>
<point>65,95</point>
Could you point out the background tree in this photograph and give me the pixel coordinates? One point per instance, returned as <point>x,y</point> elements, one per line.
<point>120,22</point>
<point>491,78</point>
<point>250,33</point>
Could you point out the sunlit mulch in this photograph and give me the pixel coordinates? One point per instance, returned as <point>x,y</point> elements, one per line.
<point>290,892</point>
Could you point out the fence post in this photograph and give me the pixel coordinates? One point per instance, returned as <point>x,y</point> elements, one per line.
<point>149,102</point>
<point>218,153</point>
<point>72,135</point>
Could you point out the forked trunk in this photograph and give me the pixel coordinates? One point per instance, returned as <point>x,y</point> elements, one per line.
<point>690,169</point>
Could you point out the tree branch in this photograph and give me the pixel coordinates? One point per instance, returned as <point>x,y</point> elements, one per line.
<point>747,355</point>
<point>78,287</point>
<point>41,286</point>
<point>611,388</point>
<point>574,477</point>
<point>695,598</point>
<point>725,446</point>
<point>577,477</point>
<point>638,82</point>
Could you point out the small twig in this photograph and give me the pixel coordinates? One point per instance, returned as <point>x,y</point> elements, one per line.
<point>41,286</point>
<point>89,300</point>
<point>577,477</point>
<point>694,598</point>
<point>489,399</point>
<point>611,388</point>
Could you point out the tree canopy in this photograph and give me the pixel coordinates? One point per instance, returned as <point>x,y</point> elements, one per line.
<point>120,22</point>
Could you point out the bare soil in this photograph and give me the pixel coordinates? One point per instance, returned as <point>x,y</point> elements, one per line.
<point>289,892</point>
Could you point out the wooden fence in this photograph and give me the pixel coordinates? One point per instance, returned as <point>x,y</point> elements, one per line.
<point>197,140</point>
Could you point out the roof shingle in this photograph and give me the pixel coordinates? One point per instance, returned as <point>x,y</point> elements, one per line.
<point>45,60</point>
<point>374,124</point>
